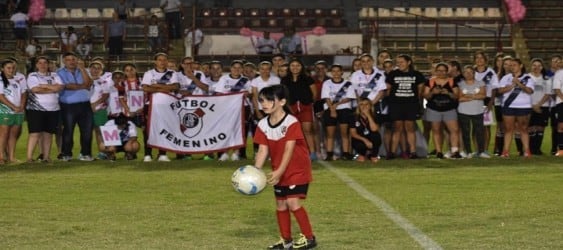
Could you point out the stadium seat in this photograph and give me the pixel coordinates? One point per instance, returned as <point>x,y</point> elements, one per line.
<point>107,12</point>
<point>61,13</point>
<point>383,12</point>
<point>431,12</point>
<point>477,13</point>
<point>76,13</point>
<point>445,12</point>
<point>364,13</point>
<point>93,13</point>
<point>461,12</point>
<point>493,12</point>
<point>415,11</point>
<point>49,13</point>
<point>139,12</point>
<point>398,12</point>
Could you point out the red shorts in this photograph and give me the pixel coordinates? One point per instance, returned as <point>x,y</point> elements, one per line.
<point>304,113</point>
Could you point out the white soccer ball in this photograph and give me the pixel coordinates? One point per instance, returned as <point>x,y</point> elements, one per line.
<point>249,180</point>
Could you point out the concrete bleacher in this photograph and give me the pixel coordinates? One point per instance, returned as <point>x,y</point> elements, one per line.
<point>543,28</point>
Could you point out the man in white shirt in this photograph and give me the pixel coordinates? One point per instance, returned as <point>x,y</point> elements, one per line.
<point>192,41</point>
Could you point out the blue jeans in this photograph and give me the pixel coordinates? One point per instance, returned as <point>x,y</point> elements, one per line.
<point>81,114</point>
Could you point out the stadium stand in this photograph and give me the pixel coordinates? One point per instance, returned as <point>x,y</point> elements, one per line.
<point>543,28</point>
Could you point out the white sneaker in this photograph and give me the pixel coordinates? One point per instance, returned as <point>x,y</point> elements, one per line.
<point>235,157</point>
<point>163,158</point>
<point>86,158</point>
<point>448,155</point>
<point>484,155</point>
<point>224,157</point>
<point>147,158</point>
<point>464,154</point>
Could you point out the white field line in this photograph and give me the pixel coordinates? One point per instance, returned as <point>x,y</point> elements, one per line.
<point>423,240</point>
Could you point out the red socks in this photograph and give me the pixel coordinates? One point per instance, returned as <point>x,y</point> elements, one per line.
<point>303,221</point>
<point>284,223</point>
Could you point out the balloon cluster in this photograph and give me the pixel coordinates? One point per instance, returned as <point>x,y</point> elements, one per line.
<point>36,10</point>
<point>516,10</point>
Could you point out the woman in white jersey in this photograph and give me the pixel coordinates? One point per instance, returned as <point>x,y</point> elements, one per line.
<point>42,108</point>
<point>12,105</point>
<point>541,101</point>
<point>516,89</point>
<point>487,75</point>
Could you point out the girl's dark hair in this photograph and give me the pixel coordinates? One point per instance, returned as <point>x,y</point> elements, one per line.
<point>543,71</point>
<point>408,59</point>
<point>495,67</point>
<point>302,73</point>
<point>4,78</point>
<point>274,92</point>
<point>482,53</point>
<point>520,62</point>
<point>443,65</point>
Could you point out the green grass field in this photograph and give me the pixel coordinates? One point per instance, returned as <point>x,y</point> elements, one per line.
<point>460,204</point>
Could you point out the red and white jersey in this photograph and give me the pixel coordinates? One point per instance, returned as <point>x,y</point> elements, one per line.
<point>275,136</point>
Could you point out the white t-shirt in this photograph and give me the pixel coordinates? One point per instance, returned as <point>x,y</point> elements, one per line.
<point>198,36</point>
<point>368,85</point>
<point>66,39</point>
<point>13,92</point>
<point>30,50</point>
<point>99,87</point>
<point>211,85</point>
<point>20,20</point>
<point>45,101</point>
<point>523,100</point>
<point>124,134</point>
<point>187,84</point>
<point>154,77</point>
<point>259,83</point>
<point>227,84</point>
<point>265,45</point>
<point>153,30</point>
<point>489,77</point>
<point>558,84</point>
<point>331,89</point>
<point>542,87</point>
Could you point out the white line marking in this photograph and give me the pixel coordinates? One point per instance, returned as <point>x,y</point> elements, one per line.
<point>423,240</point>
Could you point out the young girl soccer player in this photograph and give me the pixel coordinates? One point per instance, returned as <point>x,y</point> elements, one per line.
<point>280,136</point>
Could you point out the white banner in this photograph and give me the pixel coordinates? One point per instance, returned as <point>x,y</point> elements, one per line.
<point>110,135</point>
<point>135,100</point>
<point>196,124</point>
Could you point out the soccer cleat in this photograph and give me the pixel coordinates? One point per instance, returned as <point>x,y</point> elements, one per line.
<point>147,158</point>
<point>282,244</point>
<point>304,243</point>
<point>163,158</point>
<point>224,157</point>
<point>207,158</point>
<point>86,158</point>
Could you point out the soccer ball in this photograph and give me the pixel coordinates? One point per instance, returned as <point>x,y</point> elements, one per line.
<point>249,180</point>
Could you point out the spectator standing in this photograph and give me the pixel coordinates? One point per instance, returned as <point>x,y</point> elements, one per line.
<point>114,36</point>
<point>265,46</point>
<point>193,39</point>
<point>69,40</point>
<point>153,31</point>
<point>42,108</point>
<point>19,20</point>
<point>75,107</point>
<point>13,97</point>
<point>158,80</point>
<point>173,14</point>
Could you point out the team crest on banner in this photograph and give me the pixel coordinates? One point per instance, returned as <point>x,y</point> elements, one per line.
<point>191,121</point>
<point>196,124</point>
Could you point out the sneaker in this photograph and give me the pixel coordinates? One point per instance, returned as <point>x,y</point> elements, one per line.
<point>224,157</point>
<point>360,158</point>
<point>102,156</point>
<point>86,158</point>
<point>504,155</point>
<point>413,156</point>
<point>163,158</point>
<point>207,158</point>
<point>456,155</point>
<point>464,155</point>
<point>347,156</point>
<point>484,155</point>
<point>439,155</point>
<point>304,243</point>
<point>235,157</point>
<point>527,154</point>
<point>282,244</point>
<point>65,158</point>
<point>60,156</point>
<point>147,158</point>
<point>390,156</point>
<point>448,155</point>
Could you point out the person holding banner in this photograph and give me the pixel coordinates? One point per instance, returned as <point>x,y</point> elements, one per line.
<point>120,135</point>
<point>42,108</point>
<point>516,88</point>
<point>235,82</point>
<point>215,74</point>
<point>337,94</point>
<point>159,80</point>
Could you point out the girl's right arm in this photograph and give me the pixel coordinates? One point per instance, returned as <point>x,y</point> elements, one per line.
<point>261,156</point>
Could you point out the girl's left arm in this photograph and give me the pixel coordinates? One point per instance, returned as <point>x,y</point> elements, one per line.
<point>288,152</point>
<point>261,156</point>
